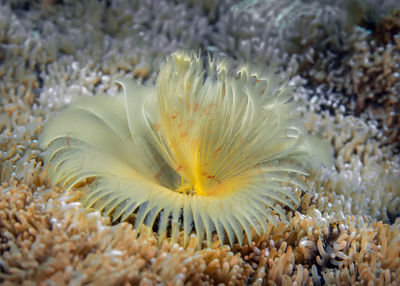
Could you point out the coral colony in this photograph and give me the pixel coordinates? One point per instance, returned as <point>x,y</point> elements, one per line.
<point>269,155</point>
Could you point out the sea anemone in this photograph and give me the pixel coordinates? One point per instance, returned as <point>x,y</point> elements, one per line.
<point>211,148</point>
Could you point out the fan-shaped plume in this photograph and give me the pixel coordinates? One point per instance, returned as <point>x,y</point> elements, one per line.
<point>206,150</point>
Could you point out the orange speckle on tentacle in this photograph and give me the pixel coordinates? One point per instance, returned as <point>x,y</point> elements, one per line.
<point>210,177</point>
<point>174,116</point>
<point>190,122</point>
<point>157,176</point>
<point>209,109</point>
<point>156,126</point>
<point>214,178</point>
<point>217,150</point>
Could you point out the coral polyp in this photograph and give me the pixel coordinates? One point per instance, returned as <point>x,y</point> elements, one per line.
<point>209,149</point>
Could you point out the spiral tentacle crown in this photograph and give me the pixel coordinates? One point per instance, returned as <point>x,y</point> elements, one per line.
<point>209,149</point>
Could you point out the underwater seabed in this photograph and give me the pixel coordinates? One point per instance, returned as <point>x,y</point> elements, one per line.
<point>344,58</point>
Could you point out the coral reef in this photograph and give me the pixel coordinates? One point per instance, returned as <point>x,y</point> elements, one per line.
<point>345,62</point>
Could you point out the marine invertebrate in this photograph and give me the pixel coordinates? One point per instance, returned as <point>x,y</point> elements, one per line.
<point>209,148</point>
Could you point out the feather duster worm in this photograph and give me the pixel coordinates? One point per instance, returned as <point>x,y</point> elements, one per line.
<point>208,149</point>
